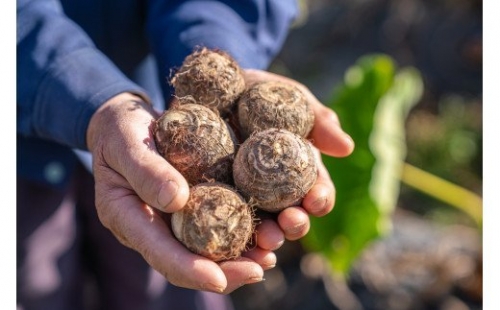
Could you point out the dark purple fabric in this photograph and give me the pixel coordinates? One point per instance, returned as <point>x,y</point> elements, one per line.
<point>67,260</point>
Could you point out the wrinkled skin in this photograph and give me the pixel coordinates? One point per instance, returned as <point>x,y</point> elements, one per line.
<point>135,186</point>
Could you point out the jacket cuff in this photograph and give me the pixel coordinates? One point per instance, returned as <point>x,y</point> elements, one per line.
<point>74,87</point>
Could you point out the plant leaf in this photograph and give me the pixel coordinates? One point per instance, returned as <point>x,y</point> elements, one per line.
<point>372,105</point>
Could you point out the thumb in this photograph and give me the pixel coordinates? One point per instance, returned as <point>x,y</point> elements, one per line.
<point>327,134</point>
<point>156,182</point>
<point>120,139</point>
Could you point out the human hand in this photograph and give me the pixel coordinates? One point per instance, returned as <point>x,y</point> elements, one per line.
<point>328,138</point>
<point>137,189</point>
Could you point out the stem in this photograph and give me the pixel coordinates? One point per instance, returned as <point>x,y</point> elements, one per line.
<point>450,193</point>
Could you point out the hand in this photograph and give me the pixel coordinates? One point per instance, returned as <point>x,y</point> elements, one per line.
<point>135,187</point>
<point>328,137</point>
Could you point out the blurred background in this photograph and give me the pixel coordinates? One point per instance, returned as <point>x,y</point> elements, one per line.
<point>405,77</point>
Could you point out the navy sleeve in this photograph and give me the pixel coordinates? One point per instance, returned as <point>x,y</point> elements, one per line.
<point>252,31</point>
<point>61,77</point>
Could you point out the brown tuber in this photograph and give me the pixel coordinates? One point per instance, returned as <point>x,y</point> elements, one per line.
<point>212,77</point>
<point>275,169</point>
<point>216,222</point>
<point>197,142</point>
<point>274,104</point>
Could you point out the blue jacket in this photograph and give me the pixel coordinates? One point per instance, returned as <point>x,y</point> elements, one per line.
<point>74,55</point>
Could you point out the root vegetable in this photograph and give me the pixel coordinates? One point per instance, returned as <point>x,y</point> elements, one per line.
<point>275,169</point>
<point>197,142</point>
<point>274,104</point>
<point>212,77</point>
<point>216,222</point>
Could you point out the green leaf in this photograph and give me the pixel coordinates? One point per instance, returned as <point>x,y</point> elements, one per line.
<point>387,139</point>
<point>372,105</point>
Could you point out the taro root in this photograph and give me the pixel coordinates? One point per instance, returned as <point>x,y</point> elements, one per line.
<point>274,169</point>
<point>274,104</point>
<point>197,142</point>
<point>212,77</point>
<point>216,222</point>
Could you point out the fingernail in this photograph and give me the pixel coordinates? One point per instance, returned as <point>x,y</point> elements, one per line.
<point>296,229</point>
<point>278,245</point>
<point>349,141</point>
<point>267,267</point>
<point>212,288</point>
<point>255,280</point>
<point>318,206</point>
<point>168,191</point>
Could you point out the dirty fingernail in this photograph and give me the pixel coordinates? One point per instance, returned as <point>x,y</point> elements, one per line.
<point>212,287</point>
<point>254,280</point>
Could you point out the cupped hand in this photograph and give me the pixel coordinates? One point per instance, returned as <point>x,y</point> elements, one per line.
<point>328,138</point>
<point>136,187</point>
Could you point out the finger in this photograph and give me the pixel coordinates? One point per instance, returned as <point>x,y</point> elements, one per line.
<point>327,135</point>
<point>128,147</point>
<point>157,182</point>
<point>320,199</point>
<point>141,228</point>
<point>266,259</point>
<point>294,221</point>
<point>269,236</point>
<point>241,271</point>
